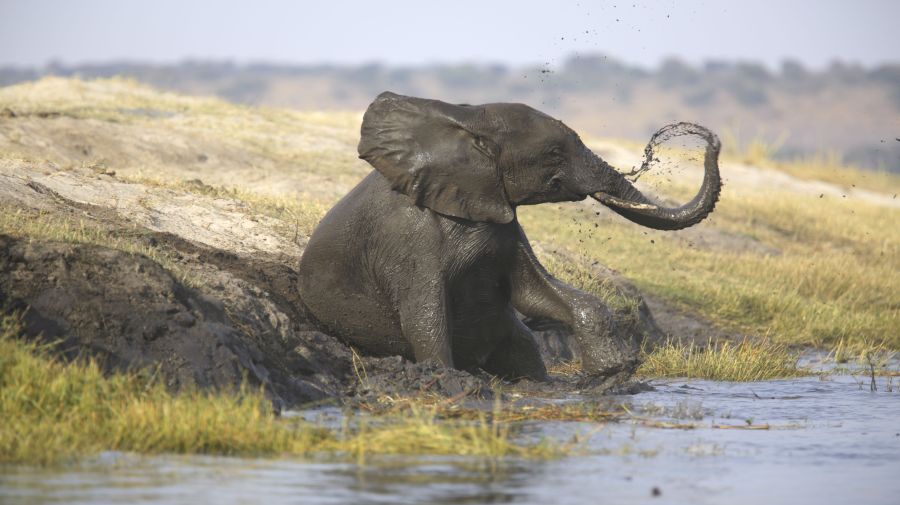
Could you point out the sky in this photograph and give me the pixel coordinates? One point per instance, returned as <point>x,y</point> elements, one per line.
<point>814,32</point>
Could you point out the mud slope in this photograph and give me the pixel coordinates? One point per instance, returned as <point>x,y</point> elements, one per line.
<point>161,232</point>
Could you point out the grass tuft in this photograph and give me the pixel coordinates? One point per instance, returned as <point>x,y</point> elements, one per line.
<point>748,360</point>
<point>877,355</point>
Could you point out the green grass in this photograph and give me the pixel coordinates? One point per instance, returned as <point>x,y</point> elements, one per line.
<point>745,361</point>
<point>862,354</point>
<point>54,412</point>
<point>829,168</point>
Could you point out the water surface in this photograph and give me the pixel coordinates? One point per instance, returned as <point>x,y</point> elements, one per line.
<point>830,440</point>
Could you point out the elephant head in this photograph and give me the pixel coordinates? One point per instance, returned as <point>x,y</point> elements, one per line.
<point>478,162</point>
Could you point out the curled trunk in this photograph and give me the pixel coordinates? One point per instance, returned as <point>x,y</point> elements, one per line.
<point>630,203</point>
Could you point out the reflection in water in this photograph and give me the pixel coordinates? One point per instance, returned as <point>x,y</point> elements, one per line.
<point>450,482</point>
<point>834,442</point>
<point>175,479</point>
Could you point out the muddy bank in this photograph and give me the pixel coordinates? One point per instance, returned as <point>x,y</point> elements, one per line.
<point>237,320</point>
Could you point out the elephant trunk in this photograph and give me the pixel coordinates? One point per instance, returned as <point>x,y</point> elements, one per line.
<point>624,199</point>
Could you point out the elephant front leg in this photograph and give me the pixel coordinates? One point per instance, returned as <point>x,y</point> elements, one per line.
<point>517,356</point>
<point>536,293</point>
<point>425,323</point>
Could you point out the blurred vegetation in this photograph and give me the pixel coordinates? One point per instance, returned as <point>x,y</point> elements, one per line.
<point>594,92</point>
<point>823,166</point>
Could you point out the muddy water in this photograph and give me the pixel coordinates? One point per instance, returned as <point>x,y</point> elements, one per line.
<point>831,441</point>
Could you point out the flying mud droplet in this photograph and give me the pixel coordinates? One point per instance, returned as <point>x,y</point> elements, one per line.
<point>662,136</point>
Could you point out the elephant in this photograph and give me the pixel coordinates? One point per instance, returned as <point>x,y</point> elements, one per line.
<point>425,257</point>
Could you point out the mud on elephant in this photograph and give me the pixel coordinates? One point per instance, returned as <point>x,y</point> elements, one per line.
<point>425,257</point>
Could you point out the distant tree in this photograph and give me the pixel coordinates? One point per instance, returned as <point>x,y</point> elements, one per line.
<point>793,70</point>
<point>845,73</point>
<point>247,88</point>
<point>699,96</point>
<point>889,74</point>
<point>752,71</point>
<point>594,71</point>
<point>468,76</point>
<point>748,93</point>
<point>881,156</point>
<point>795,78</point>
<point>674,73</point>
<point>716,67</point>
<point>12,75</point>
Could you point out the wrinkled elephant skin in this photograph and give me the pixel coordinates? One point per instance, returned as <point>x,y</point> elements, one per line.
<point>425,257</point>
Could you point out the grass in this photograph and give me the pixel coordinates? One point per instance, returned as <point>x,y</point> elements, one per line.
<point>55,412</point>
<point>594,412</point>
<point>745,361</point>
<point>827,167</point>
<point>298,215</point>
<point>864,354</point>
<point>834,275</point>
<point>36,225</point>
<point>169,132</point>
<point>421,430</point>
<point>578,272</point>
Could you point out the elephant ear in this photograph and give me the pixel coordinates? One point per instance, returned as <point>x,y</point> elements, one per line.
<point>429,151</point>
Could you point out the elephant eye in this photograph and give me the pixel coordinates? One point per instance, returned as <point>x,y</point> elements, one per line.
<point>554,157</point>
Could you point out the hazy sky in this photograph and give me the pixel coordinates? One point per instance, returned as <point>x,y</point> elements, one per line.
<point>33,32</point>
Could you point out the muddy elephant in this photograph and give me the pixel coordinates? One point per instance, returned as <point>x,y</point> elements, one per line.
<point>425,257</point>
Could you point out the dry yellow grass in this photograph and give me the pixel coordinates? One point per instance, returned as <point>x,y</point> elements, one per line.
<point>141,132</point>
<point>826,166</point>
<point>834,275</point>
